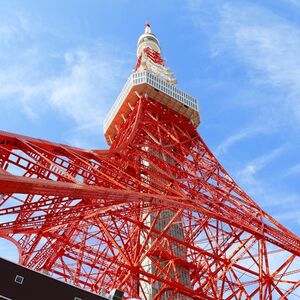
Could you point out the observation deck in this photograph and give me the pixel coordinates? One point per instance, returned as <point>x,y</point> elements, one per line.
<point>157,89</point>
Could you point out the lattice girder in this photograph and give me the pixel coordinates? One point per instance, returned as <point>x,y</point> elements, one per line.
<point>94,217</point>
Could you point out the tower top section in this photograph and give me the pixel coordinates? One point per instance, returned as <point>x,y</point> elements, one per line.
<point>147,40</point>
<point>149,56</point>
<point>152,78</point>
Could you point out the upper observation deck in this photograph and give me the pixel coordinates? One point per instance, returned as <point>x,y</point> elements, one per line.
<point>157,89</point>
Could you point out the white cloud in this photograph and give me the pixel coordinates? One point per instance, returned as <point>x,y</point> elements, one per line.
<point>235,138</point>
<point>12,28</point>
<point>294,3</point>
<point>247,174</point>
<point>254,35</point>
<point>291,214</point>
<point>85,91</point>
<point>6,32</point>
<point>80,91</point>
<point>293,170</point>
<point>268,197</point>
<point>268,42</point>
<point>265,195</point>
<point>82,88</point>
<point>270,45</point>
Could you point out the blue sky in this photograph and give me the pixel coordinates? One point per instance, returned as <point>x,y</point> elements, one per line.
<point>62,64</point>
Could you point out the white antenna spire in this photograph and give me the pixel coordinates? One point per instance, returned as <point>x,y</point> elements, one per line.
<point>147,27</point>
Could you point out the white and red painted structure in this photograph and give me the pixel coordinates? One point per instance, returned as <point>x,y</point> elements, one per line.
<point>155,215</point>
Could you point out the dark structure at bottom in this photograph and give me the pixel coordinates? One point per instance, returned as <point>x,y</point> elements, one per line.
<point>20,283</point>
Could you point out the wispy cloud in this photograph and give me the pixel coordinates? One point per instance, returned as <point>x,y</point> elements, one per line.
<point>268,197</point>
<point>270,45</point>
<point>293,170</point>
<point>288,215</point>
<point>82,91</point>
<point>267,42</point>
<point>9,30</point>
<point>295,3</point>
<point>81,87</point>
<point>85,91</point>
<point>263,40</point>
<point>247,174</point>
<point>235,138</point>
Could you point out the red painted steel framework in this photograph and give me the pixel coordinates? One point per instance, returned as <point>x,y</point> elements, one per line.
<point>82,216</point>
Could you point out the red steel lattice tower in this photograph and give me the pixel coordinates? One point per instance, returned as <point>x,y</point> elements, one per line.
<point>155,215</point>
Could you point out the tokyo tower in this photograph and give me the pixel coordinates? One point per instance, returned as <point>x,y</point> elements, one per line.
<point>155,215</point>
